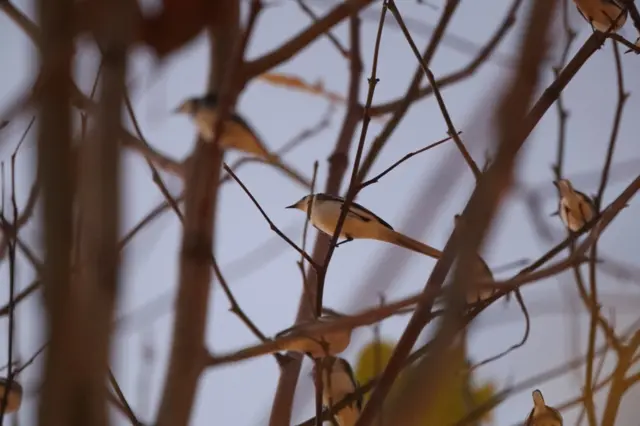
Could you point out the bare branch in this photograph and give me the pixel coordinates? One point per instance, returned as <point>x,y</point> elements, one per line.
<point>401,108</point>
<point>302,40</point>
<point>54,168</point>
<point>274,228</point>
<point>201,200</point>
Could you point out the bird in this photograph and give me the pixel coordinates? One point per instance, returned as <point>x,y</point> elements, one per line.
<point>309,338</point>
<point>542,414</point>
<point>313,344</point>
<point>574,207</point>
<point>602,14</point>
<point>481,273</point>
<point>238,133</point>
<point>338,381</point>
<point>14,400</point>
<point>360,223</point>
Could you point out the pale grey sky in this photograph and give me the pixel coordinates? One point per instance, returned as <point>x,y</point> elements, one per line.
<point>241,394</point>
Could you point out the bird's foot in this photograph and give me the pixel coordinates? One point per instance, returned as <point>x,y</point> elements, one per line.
<point>344,241</point>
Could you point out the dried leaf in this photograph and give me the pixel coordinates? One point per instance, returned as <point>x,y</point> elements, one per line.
<point>296,83</point>
<point>177,24</point>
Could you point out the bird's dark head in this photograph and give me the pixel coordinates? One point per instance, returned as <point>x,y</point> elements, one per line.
<point>538,400</point>
<point>188,106</point>
<point>302,204</point>
<point>564,186</point>
<point>191,106</point>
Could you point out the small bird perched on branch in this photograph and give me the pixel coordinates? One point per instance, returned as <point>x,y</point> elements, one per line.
<point>481,273</point>
<point>313,344</point>
<point>338,381</point>
<point>574,207</point>
<point>542,414</point>
<point>238,134</point>
<point>360,223</point>
<point>602,14</point>
<point>14,400</point>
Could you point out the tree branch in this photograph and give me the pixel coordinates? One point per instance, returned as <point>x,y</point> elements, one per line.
<point>201,199</point>
<point>283,400</point>
<point>296,44</point>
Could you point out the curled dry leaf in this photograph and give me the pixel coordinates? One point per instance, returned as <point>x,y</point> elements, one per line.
<point>176,24</point>
<point>296,83</point>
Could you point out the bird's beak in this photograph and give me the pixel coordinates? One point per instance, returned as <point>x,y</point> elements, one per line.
<point>178,110</point>
<point>292,206</point>
<point>555,183</point>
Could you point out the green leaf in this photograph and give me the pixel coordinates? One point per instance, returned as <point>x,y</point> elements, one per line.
<point>450,404</point>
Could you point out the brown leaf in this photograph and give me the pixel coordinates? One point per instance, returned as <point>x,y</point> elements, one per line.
<point>177,24</point>
<point>296,83</point>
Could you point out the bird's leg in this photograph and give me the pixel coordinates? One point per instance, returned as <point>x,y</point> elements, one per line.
<point>637,44</point>
<point>589,20</point>
<point>283,359</point>
<point>349,238</point>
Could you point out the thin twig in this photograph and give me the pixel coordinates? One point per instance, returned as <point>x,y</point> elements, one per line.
<point>563,114</point>
<point>432,81</point>
<point>521,343</point>
<point>201,205</point>
<point>302,40</point>
<point>12,283</point>
<point>401,107</point>
<point>402,160</point>
<point>123,400</point>
<point>272,225</point>
<point>306,291</point>
<point>332,38</point>
<point>283,401</point>
<point>353,189</point>
<point>593,304</point>
<point>477,216</point>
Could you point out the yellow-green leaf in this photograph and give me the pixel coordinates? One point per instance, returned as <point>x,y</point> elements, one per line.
<point>372,360</point>
<point>450,404</point>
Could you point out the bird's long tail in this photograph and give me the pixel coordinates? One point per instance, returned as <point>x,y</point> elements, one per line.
<point>275,161</point>
<point>408,242</point>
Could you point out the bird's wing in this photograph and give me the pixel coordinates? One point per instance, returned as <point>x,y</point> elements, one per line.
<point>351,374</point>
<point>529,421</point>
<point>302,325</point>
<point>485,267</point>
<point>292,328</point>
<point>210,100</point>
<point>587,199</point>
<point>582,14</point>
<point>244,123</point>
<point>363,213</point>
<point>618,3</point>
<point>356,209</point>
<point>555,413</point>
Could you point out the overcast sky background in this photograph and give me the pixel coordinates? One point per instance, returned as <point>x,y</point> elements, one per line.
<point>269,291</point>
